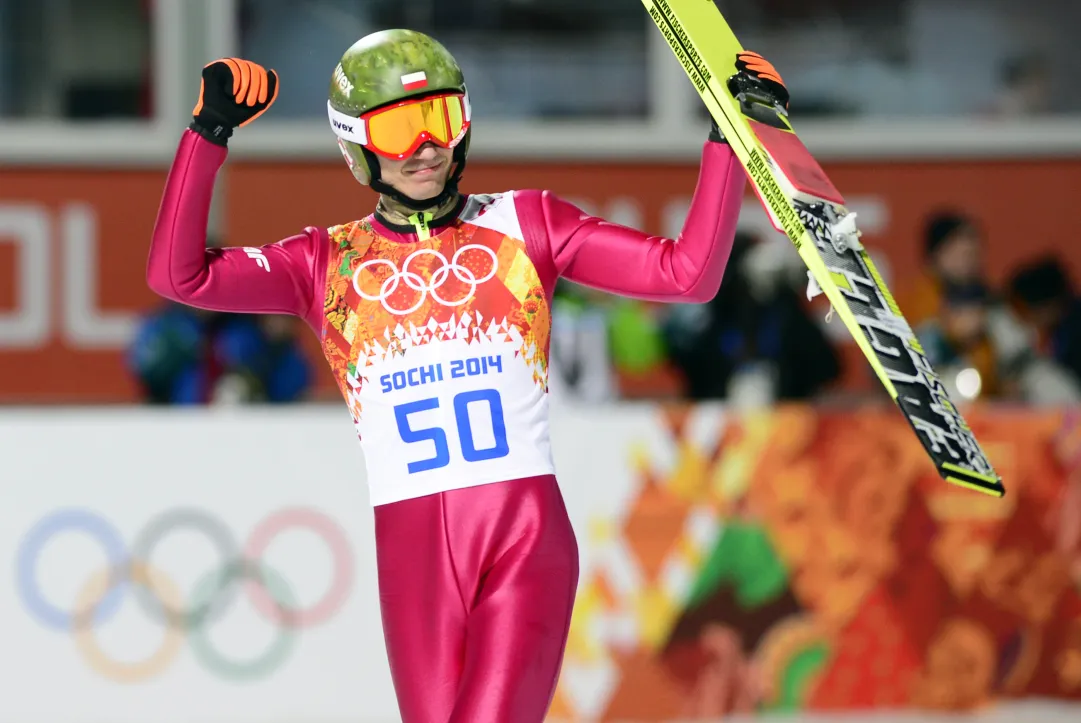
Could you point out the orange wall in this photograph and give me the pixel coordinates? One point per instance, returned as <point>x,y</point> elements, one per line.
<point>1025,205</point>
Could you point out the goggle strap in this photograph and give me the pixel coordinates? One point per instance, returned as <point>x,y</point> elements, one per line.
<point>346,127</point>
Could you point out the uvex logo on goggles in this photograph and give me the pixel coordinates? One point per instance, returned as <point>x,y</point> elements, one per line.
<point>396,131</point>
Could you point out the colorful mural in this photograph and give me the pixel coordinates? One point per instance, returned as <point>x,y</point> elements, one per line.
<point>813,560</point>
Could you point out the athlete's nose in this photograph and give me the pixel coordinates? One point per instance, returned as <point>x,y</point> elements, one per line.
<point>426,152</point>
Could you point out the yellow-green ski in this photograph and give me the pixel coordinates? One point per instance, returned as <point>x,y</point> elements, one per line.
<point>804,205</point>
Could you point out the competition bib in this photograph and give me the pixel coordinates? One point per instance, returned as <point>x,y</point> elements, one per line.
<point>440,349</point>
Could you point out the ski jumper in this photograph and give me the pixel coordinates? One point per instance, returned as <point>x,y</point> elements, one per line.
<point>439,346</point>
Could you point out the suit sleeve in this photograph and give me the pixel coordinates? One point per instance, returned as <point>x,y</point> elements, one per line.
<point>277,278</point>
<point>588,250</point>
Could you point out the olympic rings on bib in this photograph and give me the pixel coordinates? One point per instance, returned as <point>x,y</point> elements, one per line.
<point>417,283</point>
<point>100,596</point>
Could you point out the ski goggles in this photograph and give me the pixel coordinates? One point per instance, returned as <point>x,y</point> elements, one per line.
<point>397,131</point>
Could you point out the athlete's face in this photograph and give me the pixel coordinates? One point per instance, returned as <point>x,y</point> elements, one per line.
<point>420,176</point>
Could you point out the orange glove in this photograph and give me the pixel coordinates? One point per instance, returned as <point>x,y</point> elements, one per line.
<point>233,93</point>
<point>754,65</point>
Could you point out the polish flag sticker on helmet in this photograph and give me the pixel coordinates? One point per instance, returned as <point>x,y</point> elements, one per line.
<point>415,81</point>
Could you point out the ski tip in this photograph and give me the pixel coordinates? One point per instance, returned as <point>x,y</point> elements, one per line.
<point>972,480</point>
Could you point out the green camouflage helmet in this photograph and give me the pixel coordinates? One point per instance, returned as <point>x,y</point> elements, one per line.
<point>374,72</point>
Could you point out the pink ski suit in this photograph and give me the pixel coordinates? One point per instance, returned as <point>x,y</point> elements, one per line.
<point>440,349</point>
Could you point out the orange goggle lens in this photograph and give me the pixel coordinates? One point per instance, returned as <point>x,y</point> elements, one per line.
<point>399,130</point>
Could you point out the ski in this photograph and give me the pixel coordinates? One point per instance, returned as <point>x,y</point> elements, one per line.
<point>803,203</point>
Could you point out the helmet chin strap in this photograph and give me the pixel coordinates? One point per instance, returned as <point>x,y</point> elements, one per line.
<point>450,188</point>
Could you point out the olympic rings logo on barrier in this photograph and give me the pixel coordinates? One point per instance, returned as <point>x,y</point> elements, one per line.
<point>102,594</point>
<point>416,282</point>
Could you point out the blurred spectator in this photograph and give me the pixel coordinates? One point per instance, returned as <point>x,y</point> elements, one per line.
<point>969,329</point>
<point>606,347</point>
<point>953,247</point>
<point>958,344</point>
<point>579,358</point>
<point>755,342</point>
<point>187,356</point>
<point>639,354</point>
<point>980,349</point>
<point>261,360</point>
<point>1044,297</point>
<point>182,355</point>
<point>1026,88</point>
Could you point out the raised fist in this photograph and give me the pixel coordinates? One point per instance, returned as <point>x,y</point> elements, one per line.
<point>233,93</point>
